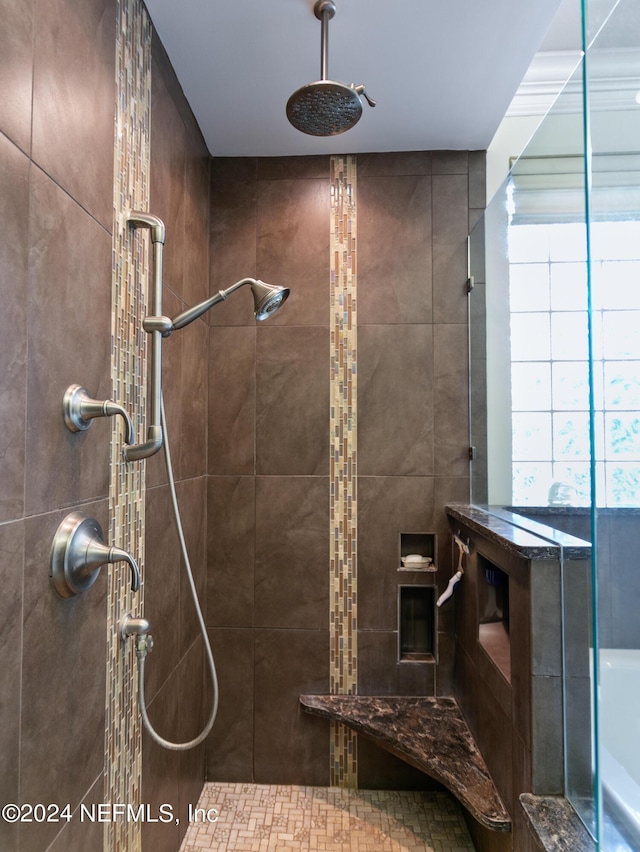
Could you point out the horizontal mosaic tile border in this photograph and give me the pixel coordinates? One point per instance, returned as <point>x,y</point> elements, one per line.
<point>130,277</point>
<point>343,675</point>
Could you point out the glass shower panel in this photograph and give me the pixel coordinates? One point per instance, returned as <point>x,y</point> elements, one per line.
<point>530,378</point>
<point>613,113</point>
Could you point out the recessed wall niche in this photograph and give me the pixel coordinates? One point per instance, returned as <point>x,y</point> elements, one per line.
<point>416,624</point>
<point>418,551</point>
<point>493,614</point>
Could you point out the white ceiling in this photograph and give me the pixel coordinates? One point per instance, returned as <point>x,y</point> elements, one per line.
<point>443,72</point>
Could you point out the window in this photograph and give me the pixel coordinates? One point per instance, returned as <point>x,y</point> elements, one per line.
<point>550,363</point>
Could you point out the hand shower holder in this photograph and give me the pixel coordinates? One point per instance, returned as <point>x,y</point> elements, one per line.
<point>267,299</point>
<point>78,552</point>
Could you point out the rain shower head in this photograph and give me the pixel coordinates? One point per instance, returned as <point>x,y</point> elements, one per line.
<point>326,107</point>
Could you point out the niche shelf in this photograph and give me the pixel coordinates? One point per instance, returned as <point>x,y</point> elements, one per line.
<point>422,544</point>
<point>493,615</point>
<point>417,624</point>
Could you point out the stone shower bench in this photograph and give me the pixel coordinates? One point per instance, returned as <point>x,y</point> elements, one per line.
<point>428,733</point>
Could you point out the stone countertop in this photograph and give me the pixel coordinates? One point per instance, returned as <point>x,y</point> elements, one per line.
<point>518,534</point>
<point>428,733</point>
<point>555,824</point>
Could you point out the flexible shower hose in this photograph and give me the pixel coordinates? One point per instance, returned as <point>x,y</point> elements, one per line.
<point>141,642</point>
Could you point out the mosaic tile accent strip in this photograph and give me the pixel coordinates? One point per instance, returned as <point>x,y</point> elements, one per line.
<point>343,495</point>
<point>260,817</point>
<point>130,276</point>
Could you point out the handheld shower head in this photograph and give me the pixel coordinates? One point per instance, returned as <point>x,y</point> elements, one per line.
<point>267,298</point>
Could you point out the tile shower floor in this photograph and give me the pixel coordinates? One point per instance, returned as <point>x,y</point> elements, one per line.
<point>257,817</point>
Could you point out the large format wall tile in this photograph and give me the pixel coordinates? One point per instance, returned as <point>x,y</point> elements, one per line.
<point>73,100</point>
<point>11,574</point>
<point>451,399</point>
<point>193,396</point>
<point>232,247</point>
<point>79,836</point>
<point>394,249</point>
<point>394,163</point>
<point>450,229</point>
<point>192,502</point>
<point>174,777</point>
<point>16,71</point>
<point>161,587</point>
<point>68,330</point>
<point>395,400</point>
<point>230,745</point>
<point>14,221</point>
<point>293,246</point>
<point>196,222</point>
<point>290,747</point>
<point>230,551</point>
<point>232,396</point>
<point>292,401</point>
<point>63,669</point>
<point>167,176</point>
<point>292,551</point>
<point>161,766</point>
<point>195,708</point>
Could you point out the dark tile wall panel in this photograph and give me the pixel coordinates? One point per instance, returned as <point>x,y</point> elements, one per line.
<point>290,746</point>
<point>14,222</point>
<point>57,679</point>
<point>74,100</point>
<point>293,246</point>
<point>16,71</point>
<point>56,210</point>
<point>292,401</point>
<point>69,296</point>
<point>179,194</point>
<point>268,415</point>
<point>232,391</point>
<point>395,400</point>
<point>231,551</point>
<point>292,552</point>
<point>57,76</point>
<point>394,254</point>
<point>230,745</point>
<point>11,576</point>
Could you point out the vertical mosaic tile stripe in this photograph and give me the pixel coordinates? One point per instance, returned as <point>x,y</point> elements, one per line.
<point>130,275</point>
<point>343,495</point>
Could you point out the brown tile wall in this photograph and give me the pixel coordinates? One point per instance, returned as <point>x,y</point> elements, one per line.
<point>268,558</point>
<point>175,684</point>
<point>56,184</point>
<point>57,79</point>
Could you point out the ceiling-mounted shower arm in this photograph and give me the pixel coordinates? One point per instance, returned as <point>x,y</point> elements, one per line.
<point>324,10</point>
<point>326,107</point>
<point>153,443</point>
